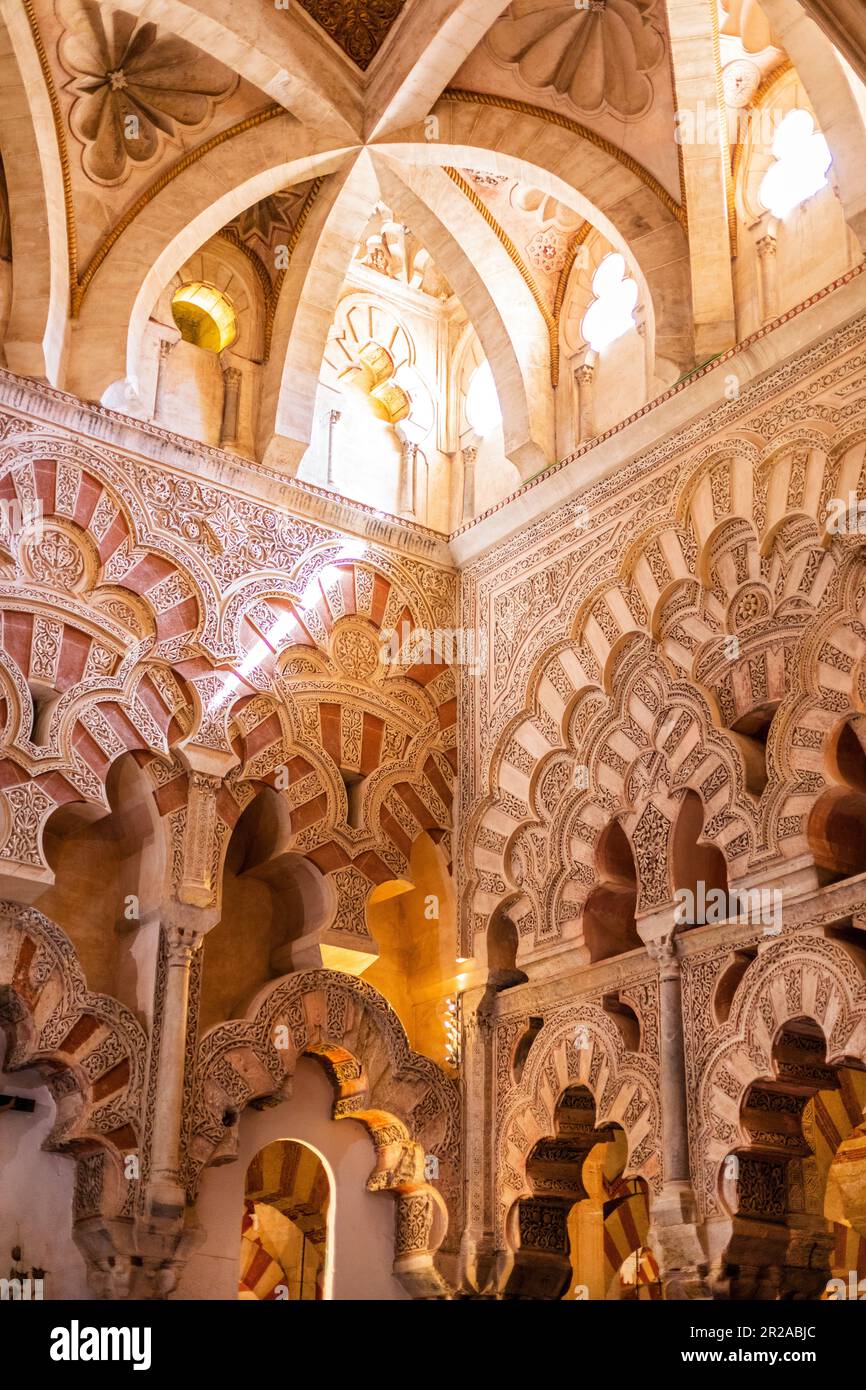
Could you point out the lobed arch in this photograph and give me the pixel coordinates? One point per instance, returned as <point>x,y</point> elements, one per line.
<point>820,70</point>
<point>655,737</point>
<point>90,730</point>
<point>91,1053</point>
<point>797,1017</point>
<point>718,485</point>
<point>131,523</point>
<point>609,618</point>
<point>623,1085</point>
<point>791,481</point>
<point>811,976</point>
<point>45,1005</point>
<point>403,1099</point>
<point>802,577</point>
<point>401,799</point>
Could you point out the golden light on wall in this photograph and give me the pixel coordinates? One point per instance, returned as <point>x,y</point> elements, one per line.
<point>370,378</point>
<point>449,1012</point>
<point>204,316</point>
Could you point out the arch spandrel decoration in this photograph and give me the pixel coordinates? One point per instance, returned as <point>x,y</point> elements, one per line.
<point>171,578</point>
<point>642,749</point>
<point>409,1107</point>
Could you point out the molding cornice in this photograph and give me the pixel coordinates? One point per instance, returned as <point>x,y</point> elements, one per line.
<point>740,350</point>
<point>44,408</point>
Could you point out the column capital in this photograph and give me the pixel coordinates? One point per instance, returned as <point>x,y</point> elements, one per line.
<point>665,952</point>
<point>766,245</point>
<point>185,926</point>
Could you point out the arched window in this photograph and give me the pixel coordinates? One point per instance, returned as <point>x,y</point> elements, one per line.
<point>204,316</point>
<point>611,314</point>
<point>482,401</point>
<point>802,158</point>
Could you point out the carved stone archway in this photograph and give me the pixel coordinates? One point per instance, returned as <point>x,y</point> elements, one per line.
<point>799,1014</point>
<point>581,1048</point>
<point>91,1052</point>
<point>408,1106</point>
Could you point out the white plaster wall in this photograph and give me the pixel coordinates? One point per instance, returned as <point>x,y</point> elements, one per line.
<point>363,1222</point>
<point>620,380</point>
<point>36,1190</point>
<point>814,246</point>
<point>190,393</point>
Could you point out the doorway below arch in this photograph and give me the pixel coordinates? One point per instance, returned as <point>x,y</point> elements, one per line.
<point>285,1239</point>
<point>360,1258</point>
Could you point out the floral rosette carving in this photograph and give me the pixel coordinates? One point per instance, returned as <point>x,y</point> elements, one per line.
<point>133,88</point>
<point>599,56</point>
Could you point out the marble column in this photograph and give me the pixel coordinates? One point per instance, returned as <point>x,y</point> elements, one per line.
<point>183,931</point>
<point>673,1230</point>
<point>584,391</point>
<point>469,456</point>
<point>333,421</point>
<point>165,347</point>
<point>478,1256</point>
<point>229,429</point>
<point>407,478</point>
<point>766,248</point>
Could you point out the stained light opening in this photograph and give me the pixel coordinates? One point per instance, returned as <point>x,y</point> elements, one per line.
<point>611,313</point>
<point>204,316</point>
<point>802,160</point>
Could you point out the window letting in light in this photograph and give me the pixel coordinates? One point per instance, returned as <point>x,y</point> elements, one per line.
<point>204,316</point>
<point>482,401</point>
<point>802,158</point>
<point>611,313</point>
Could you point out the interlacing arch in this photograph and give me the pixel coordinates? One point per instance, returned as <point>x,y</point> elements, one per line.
<point>290,675</point>
<point>407,1104</point>
<point>89,1049</point>
<point>805,976</point>
<point>728,595</point>
<point>578,1045</point>
<point>114,535</point>
<point>637,753</point>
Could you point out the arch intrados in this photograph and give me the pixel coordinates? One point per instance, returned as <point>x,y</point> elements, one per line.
<point>194,235</point>
<point>501,162</point>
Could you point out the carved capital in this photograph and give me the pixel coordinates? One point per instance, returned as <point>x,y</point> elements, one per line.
<point>665,952</point>
<point>766,246</point>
